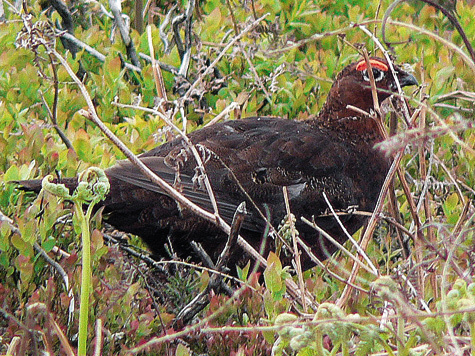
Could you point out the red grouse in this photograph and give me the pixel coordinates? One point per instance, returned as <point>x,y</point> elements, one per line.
<point>254,158</point>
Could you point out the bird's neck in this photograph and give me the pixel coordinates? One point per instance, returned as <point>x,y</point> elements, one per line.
<point>349,124</point>
<point>352,122</point>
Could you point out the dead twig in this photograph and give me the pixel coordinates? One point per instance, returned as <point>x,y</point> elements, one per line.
<point>295,247</point>
<point>52,113</point>
<point>67,25</point>
<point>157,74</point>
<point>116,9</point>
<point>95,53</point>
<point>236,225</point>
<point>202,299</point>
<point>337,244</point>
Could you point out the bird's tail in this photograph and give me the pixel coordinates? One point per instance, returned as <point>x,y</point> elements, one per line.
<point>34,185</point>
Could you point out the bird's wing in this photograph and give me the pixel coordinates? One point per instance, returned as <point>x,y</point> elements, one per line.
<point>251,160</point>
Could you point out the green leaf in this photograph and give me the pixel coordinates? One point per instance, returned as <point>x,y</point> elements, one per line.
<point>243,272</point>
<point>11,174</point>
<point>182,350</point>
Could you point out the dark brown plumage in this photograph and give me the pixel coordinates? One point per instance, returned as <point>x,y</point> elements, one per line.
<point>332,152</point>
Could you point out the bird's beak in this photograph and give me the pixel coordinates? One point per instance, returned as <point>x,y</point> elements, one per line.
<point>407,79</point>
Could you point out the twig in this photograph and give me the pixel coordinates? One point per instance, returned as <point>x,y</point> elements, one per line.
<point>236,225</point>
<point>336,243</point>
<point>199,161</point>
<point>161,29</point>
<point>116,9</point>
<point>138,18</point>
<point>316,260</point>
<point>51,325</point>
<point>374,91</point>
<point>370,227</point>
<point>353,241</point>
<point>223,114</point>
<point>164,66</point>
<point>385,18</point>
<point>94,52</point>
<point>202,254</point>
<point>190,329</point>
<point>61,134</point>
<point>98,338</point>
<point>391,67</point>
<point>320,36</point>
<point>145,256</point>
<point>233,18</point>
<point>157,74</point>
<point>177,20</point>
<point>295,248</point>
<point>52,113</point>
<point>67,25</point>
<point>189,311</point>
<point>185,60</point>
<point>444,285</point>
<point>440,39</point>
<point>455,108</point>
<point>202,299</point>
<point>256,75</point>
<point>425,173</point>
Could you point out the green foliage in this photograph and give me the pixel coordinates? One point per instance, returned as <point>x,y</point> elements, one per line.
<point>267,75</point>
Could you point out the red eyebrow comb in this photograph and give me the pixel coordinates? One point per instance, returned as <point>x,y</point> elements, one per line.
<point>374,63</point>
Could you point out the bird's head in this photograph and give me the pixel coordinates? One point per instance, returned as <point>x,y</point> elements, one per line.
<point>353,87</point>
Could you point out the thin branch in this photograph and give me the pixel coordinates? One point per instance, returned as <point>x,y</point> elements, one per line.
<point>238,220</point>
<point>190,329</point>
<point>370,227</point>
<point>157,74</point>
<point>223,114</point>
<point>164,66</point>
<point>202,299</point>
<point>256,75</point>
<point>116,9</point>
<point>185,60</point>
<point>98,338</point>
<point>353,241</point>
<point>337,244</point>
<point>161,29</point>
<point>52,113</point>
<point>94,52</point>
<point>320,36</point>
<point>61,134</point>
<point>405,109</point>
<point>67,25</point>
<point>316,260</point>
<point>295,247</point>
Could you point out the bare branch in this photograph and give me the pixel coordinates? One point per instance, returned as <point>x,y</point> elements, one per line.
<point>124,32</point>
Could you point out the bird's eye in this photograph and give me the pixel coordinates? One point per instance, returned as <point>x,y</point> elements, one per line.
<point>377,74</point>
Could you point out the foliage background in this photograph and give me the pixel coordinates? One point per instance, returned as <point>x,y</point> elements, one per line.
<point>265,75</point>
